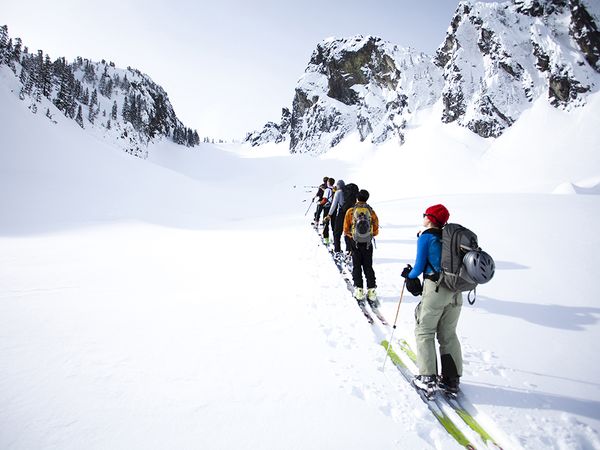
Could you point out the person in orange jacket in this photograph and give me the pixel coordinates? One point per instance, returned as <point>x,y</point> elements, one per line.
<point>361,224</point>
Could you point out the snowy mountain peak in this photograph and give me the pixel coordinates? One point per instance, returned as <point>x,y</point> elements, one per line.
<point>499,57</point>
<point>495,61</point>
<point>354,84</point>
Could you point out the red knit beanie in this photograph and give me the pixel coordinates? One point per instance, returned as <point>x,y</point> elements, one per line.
<point>438,214</point>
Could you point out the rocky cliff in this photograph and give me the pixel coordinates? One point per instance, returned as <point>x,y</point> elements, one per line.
<point>496,59</point>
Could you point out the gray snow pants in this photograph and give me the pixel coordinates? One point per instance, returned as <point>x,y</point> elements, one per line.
<point>438,313</point>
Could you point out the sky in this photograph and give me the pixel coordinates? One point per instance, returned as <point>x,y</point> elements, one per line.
<point>227,66</point>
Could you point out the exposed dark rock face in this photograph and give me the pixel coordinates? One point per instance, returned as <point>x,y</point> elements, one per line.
<point>519,57</point>
<point>350,84</point>
<point>585,32</point>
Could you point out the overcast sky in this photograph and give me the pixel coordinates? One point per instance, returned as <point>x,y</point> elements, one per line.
<point>228,66</point>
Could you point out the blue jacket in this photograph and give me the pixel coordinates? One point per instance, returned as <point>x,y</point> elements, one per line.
<point>429,253</point>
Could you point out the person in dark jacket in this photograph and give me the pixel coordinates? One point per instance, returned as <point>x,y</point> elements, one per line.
<point>318,198</point>
<point>326,202</point>
<point>350,193</point>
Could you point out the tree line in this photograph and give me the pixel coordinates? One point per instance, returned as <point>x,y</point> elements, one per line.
<point>73,87</point>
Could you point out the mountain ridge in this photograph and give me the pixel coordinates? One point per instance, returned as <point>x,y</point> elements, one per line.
<point>495,60</point>
<point>124,106</point>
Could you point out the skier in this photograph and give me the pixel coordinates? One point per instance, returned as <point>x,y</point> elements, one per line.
<point>326,202</point>
<point>335,213</point>
<point>350,193</point>
<point>438,311</point>
<point>361,224</point>
<point>319,197</point>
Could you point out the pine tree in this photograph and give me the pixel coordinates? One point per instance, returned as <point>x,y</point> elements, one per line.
<point>113,113</point>
<point>17,50</point>
<point>47,77</point>
<point>94,100</point>
<point>3,44</point>
<point>106,84</point>
<point>85,98</point>
<point>38,69</point>
<point>79,118</point>
<point>125,112</point>
<point>89,72</point>
<point>92,113</point>
<point>65,101</point>
<point>29,81</point>
<point>24,75</point>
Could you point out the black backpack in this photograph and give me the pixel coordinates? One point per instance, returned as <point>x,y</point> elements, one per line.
<point>350,193</point>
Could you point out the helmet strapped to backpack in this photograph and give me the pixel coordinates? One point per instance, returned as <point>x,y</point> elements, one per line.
<point>480,266</point>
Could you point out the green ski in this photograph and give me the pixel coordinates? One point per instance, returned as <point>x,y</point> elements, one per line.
<point>438,413</point>
<point>456,404</point>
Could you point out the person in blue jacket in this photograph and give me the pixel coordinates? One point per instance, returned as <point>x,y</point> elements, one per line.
<point>439,309</point>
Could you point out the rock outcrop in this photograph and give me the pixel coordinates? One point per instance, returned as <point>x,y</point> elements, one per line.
<point>496,59</point>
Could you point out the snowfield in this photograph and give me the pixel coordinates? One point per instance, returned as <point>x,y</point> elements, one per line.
<point>184,301</point>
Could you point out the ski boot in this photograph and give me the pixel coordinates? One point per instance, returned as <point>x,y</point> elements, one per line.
<point>449,386</point>
<point>359,295</point>
<point>338,257</point>
<point>425,384</point>
<point>372,298</point>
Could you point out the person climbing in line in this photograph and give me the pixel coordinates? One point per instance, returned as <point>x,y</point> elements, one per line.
<point>326,203</point>
<point>319,197</point>
<point>438,312</point>
<point>350,193</point>
<point>334,212</point>
<point>361,224</point>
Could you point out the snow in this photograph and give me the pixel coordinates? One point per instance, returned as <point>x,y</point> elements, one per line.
<point>183,301</point>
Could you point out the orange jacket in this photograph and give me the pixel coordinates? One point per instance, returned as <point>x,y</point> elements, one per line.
<point>348,221</point>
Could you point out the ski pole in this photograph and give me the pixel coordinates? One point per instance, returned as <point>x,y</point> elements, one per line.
<point>313,200</point>
<point>394,326</point>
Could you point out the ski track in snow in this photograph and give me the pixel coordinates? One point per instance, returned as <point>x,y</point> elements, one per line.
<point>479,362</point>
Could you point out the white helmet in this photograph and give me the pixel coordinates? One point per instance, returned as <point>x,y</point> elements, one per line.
<point>480,266</point>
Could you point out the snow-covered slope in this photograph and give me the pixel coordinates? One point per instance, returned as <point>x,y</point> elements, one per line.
<point>183,301</point>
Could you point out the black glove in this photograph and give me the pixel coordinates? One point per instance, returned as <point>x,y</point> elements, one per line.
<point>406,271</point>
<point>414,286</point>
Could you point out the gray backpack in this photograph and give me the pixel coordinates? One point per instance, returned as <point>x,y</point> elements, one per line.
<point>362,224</point>
<point>456,242</point>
